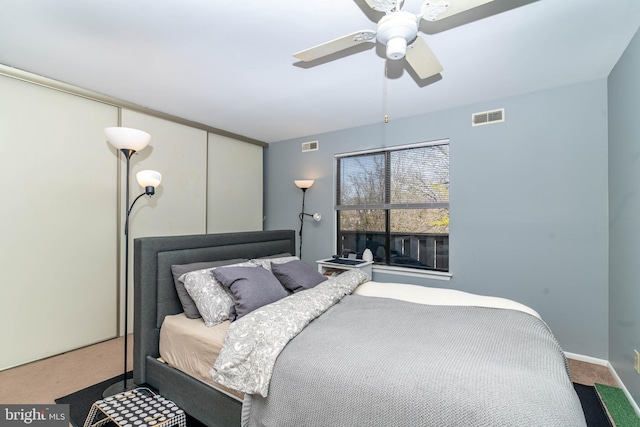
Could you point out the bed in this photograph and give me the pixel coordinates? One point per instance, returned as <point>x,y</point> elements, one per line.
<point>321,369</point>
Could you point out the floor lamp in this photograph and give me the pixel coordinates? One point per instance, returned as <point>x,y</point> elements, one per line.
<point>304,184</point>
<point>130,141</point>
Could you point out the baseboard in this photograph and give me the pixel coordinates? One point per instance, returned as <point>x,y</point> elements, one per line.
<point>588,359</point>
<point>606,363</point>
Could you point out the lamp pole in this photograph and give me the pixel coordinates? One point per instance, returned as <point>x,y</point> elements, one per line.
<point>301,216</point>
<point>122,385</point>
<point>304,184</point>
<point>150,191</point>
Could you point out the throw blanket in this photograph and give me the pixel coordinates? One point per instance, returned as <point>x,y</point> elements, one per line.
<point>381,362</point>
<point>253,342</point>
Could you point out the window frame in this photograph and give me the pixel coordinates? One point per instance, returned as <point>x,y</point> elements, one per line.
<point>387,206</point>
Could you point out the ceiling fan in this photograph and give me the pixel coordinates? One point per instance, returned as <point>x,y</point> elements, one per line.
<point>398,31</point>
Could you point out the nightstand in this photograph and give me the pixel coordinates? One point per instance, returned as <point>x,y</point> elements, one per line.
<point>332,267</point>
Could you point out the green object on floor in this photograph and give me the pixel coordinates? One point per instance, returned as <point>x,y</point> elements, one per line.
<point>618,406</point>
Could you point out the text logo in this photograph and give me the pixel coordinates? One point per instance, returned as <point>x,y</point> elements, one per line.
<point>34,416</point>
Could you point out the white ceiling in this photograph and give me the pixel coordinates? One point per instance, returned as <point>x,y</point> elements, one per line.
<point>229,64</point>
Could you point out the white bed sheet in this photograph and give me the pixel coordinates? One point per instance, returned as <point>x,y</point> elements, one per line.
<point>437,296</point>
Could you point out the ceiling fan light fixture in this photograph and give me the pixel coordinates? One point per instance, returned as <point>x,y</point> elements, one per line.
<point>395,30</point>
<point>396,48</point>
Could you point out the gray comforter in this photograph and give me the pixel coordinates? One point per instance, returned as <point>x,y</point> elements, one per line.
<point>380,362</point>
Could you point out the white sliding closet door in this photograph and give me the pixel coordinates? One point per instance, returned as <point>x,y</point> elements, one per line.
<point>235,185</point>
<point>179,153</point>
<point>58,222</point>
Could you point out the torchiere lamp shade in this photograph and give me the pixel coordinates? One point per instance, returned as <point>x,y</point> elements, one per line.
<point>127,138</point>
<point>304,183</point>
<point>149,178</point>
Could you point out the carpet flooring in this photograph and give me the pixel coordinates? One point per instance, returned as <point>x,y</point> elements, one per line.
<point>80,403</point>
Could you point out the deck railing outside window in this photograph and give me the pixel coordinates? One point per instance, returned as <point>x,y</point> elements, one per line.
<point>425,251</point>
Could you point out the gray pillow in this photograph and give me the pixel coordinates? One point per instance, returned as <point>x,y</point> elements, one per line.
<point>297,275</point>
<point>188,306</point>
<point>251,288</point>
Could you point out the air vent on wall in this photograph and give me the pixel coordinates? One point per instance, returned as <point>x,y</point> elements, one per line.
<point>487,117</point>
<point>309,146</point>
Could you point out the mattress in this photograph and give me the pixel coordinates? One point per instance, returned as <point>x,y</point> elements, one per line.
<point>188,345</point>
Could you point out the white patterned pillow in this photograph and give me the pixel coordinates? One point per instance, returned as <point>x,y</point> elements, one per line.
<point>189,307</point>
<point>211,298</point>
<point>266,262</point>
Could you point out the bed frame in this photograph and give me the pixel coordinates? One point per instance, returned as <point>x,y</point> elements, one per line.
<point>156,297</point>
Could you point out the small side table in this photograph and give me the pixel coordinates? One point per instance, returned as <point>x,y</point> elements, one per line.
<point>136,408</point>
<point>329,267</point>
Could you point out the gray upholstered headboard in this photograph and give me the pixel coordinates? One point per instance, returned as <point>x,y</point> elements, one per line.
<point>155,294</point>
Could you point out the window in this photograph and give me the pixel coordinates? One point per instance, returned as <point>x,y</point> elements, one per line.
<point>395,202</point>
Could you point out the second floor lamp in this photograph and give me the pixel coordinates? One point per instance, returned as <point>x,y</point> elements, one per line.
<point>304,185</point>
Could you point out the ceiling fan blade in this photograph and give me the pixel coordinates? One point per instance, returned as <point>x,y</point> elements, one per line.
<point>435,10</point>
<point>336,45</point>
<point>386,6</point>
<point>421,58</point>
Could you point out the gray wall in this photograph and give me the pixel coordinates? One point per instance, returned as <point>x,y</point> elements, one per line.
<point>624,214</point>
<point>528,202</point>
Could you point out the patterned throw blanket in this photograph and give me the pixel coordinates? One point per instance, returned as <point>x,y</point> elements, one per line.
<point>253,342</point>
<point>381,362</point>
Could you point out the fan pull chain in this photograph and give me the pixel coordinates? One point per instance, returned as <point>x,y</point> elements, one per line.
<point>386,93</point>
